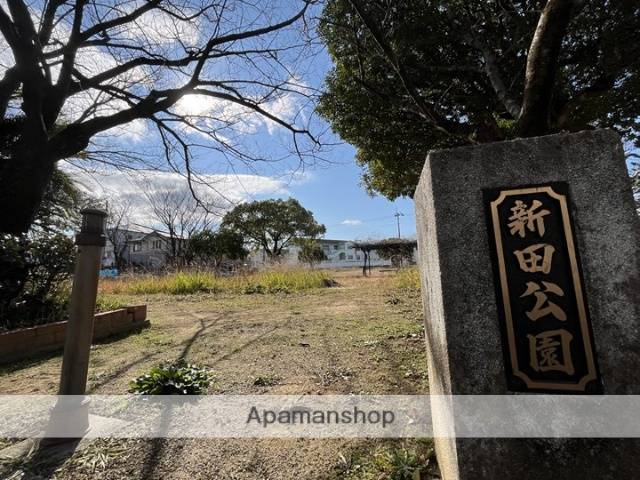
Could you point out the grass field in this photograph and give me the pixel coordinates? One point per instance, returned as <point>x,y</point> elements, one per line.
<point>186,283</point>
<point>363,336</point>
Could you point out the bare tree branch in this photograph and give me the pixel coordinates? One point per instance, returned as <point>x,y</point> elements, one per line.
<point>123,20</point>
<point>92,66</point>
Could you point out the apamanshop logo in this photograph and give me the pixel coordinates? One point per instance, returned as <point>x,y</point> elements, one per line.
<point>305,416</point>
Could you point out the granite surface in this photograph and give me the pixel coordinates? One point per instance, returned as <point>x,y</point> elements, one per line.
<point>463,336</point>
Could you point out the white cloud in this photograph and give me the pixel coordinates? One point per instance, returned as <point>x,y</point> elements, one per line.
<point>219,190</point>
<point>351,222</point>
<point>285,107</point>
<point>211,113</point>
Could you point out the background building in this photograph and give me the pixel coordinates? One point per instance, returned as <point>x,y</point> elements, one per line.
<point>339,253</point>
<point>143,249</point>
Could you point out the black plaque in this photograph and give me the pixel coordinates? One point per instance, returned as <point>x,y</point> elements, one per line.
<point>546,332</point>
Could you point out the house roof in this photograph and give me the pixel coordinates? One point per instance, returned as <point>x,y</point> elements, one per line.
<point>155,233</point>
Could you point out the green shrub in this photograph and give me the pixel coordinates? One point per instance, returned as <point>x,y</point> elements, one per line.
<point>311,252</point>
<point>212,248</point>
<point>34,278</point>
<point>172,378</point>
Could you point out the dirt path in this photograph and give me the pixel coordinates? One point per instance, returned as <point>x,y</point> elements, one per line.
<point>363,337</point>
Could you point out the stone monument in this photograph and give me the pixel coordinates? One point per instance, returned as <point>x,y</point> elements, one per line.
<point>530,266</point>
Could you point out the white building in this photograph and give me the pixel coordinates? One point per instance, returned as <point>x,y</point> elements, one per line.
<point>144,249</point>
<point>122,238</point>
<point>152,250</point>
<point>339,253</point>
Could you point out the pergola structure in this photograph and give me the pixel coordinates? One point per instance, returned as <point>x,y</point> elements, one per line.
<point>389,246</point>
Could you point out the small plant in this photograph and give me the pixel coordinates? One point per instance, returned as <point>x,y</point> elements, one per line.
<point>404,464</point>
<point>393,300</point>
<point>266,381</point>
<point>412,460</point>
<point>172,378</point>
<point>253,289</point>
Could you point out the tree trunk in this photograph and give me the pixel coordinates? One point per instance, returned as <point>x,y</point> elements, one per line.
<point>24,179</point>
<point>542,64</point>
<point>365,254</point>
<point>118,255</point>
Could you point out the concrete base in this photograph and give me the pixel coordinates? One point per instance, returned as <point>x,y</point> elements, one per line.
<point>462,327</point>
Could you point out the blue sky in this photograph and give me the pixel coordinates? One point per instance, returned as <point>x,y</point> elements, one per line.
<point>330,187</point>
<point>334,195</point>
<point>332,190</point>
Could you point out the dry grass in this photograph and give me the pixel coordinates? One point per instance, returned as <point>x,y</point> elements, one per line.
<point>187,283</point>
<point>408,279</point>
<point>365,337</point>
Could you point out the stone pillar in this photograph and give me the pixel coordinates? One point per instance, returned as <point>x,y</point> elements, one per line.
<point>463,302</point>
<point>75,364</point>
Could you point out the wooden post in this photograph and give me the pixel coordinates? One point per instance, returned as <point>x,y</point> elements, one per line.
<point>75,363</point>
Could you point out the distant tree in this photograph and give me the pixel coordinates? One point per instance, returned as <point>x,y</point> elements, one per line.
<point>181,215</point>
<point>212,248</point>
<point>311,251</point>
<point>414,75</point>
<point>118,220</point>
<point>397,250</point>
<point>272,224</point>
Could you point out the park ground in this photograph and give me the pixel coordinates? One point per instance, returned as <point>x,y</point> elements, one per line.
<point>361,336</point>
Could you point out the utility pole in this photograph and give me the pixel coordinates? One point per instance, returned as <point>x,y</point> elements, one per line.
<point>398,215</point>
